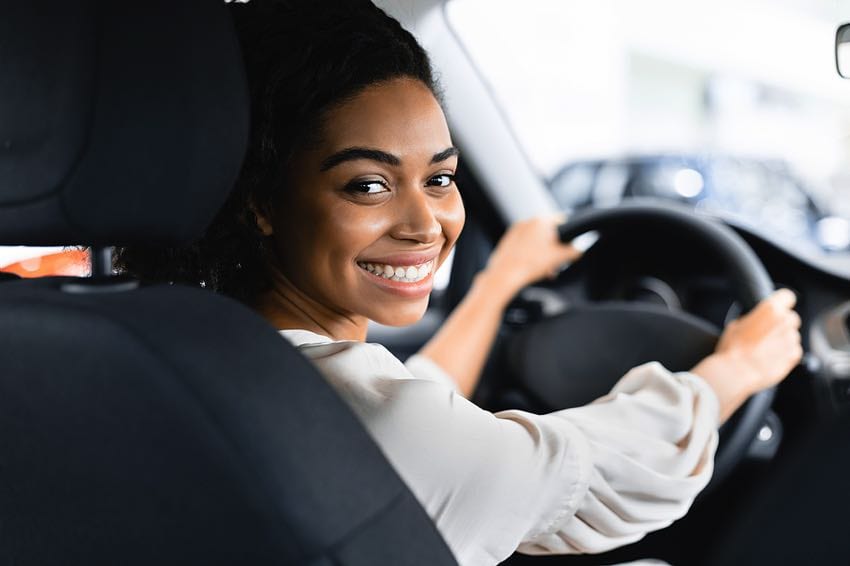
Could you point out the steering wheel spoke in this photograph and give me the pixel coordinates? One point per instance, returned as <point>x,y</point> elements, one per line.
<point>566,376</point>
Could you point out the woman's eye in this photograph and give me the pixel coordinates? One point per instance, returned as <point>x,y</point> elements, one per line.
<point>368,187</point>
<point>442,180</point>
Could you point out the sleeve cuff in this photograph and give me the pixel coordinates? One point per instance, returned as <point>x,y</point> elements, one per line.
<point>704,391</point>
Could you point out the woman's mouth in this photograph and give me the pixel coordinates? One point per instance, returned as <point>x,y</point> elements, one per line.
<point>400,273</point>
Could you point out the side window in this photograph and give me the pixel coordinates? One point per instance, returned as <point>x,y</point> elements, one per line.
<point>40,262</point>
<point>574,186</point>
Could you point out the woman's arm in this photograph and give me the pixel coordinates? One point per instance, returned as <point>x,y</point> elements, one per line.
<point>461,345</point>
<point>529,251</point>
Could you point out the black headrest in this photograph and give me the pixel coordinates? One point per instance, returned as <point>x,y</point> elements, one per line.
<point>120,122</point>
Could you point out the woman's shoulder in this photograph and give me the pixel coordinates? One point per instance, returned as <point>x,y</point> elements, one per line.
<point>345,358</point>
<point>367,363</point>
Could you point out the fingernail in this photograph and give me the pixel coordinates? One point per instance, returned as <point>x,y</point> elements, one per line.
<point>584,242</point>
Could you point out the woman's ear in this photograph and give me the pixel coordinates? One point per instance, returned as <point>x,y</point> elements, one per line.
<point>261,219</point>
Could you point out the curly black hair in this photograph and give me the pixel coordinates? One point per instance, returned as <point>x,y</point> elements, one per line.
<point>302,58</point>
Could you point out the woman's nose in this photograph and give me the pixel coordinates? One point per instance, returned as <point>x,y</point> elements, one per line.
<point>416,218</point>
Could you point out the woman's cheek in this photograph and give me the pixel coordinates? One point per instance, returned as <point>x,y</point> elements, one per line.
<point>451,215</point>
<point>357,227</point>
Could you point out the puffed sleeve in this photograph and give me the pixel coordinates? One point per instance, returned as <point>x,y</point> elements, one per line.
<point>576,480</point>
<point>651,443</point>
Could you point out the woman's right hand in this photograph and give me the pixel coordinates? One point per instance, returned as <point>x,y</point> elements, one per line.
<point>530,250</point>
<point>754,352</point>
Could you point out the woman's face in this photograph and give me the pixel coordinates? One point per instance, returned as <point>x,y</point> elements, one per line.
<point>372,210</point>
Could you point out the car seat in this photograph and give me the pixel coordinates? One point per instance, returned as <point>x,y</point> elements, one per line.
<point>158,424</point>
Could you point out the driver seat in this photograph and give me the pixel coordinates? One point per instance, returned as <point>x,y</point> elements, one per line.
<point>158,424</point>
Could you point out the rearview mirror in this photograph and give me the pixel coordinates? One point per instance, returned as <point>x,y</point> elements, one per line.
<point>842,50</point>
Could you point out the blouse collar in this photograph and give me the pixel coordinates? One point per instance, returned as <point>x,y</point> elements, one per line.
<point>300,337</point>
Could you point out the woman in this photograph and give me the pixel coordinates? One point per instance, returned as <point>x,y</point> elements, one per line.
<point>345,208</point>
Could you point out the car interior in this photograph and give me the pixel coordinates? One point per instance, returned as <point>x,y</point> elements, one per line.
<point>159,424</point>
<point>166,424</point>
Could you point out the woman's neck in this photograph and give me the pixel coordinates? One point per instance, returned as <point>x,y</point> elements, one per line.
<point>287,307</point>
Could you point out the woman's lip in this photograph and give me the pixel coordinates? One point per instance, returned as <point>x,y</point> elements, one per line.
<point>405,259</point>
<point>421,288</point>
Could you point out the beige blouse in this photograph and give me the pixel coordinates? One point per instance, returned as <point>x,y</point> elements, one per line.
<point>578,480</point>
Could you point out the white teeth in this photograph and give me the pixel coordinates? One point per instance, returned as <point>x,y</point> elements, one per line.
<point>406,274</point>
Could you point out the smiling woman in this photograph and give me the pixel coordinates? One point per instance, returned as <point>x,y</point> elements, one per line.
<point>367,218</point>
<point>303,63</point>
<point>346,206</point>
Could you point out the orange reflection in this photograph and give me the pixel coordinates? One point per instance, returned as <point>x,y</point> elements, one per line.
<point>70,262</point>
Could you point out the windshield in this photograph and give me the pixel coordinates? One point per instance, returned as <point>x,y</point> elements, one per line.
<point>730,106</point>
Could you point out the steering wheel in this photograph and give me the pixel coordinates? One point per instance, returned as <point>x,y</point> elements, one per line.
<point>570,359</point>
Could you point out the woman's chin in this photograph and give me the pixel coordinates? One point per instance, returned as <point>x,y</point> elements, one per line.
<point>401,315</point>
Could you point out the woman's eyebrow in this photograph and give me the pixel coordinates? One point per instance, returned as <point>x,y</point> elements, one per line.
<point>445,154</point>
<point>354,153</point>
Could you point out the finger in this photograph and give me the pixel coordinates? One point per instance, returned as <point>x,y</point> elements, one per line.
<point>566,256</point>
<point>786,345</point>
<point>783,298</point>
<point>570,253</point>
<point>772,309</point>
<point>766,318</point>
<point>788,326</point>
<point>792,337</point>
<point>557,220</point>
<point>793,355</point>
<point>788,319</point>
<point>796,332</point>
<point>793,320</point>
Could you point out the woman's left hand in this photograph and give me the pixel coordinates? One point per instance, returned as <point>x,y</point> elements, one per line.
<point>754,352</point>
<point>529,251</point>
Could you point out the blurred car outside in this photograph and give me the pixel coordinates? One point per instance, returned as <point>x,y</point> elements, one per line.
<point>764,194</point>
